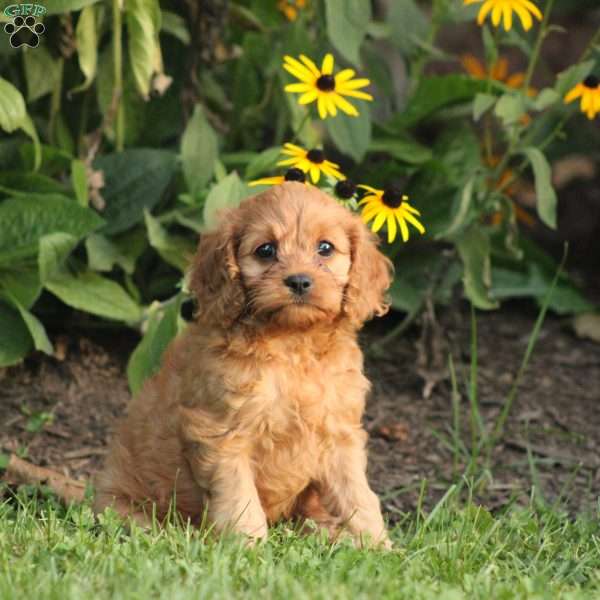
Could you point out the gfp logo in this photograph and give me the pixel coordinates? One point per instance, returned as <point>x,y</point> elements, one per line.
<point>24,30</point>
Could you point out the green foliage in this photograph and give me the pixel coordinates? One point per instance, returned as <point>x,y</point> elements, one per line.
<point>152,123</point>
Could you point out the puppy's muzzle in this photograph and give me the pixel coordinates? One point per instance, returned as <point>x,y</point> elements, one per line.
<point>300,283</point>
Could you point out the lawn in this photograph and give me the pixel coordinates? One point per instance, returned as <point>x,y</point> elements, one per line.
<point>458,550</point>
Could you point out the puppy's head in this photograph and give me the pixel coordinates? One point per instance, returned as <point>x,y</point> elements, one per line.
<point>290,257</point>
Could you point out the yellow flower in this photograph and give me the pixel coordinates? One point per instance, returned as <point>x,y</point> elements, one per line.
<point>323,86</point>
<point>310,161</point>
<point>503,9</point>
<point>589,92</point>
<point>290,8</point>
<point>389,206</point>
<point>292,174</point>
<point>498,72</point>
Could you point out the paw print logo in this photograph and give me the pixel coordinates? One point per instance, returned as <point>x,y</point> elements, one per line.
<point>24,32</point>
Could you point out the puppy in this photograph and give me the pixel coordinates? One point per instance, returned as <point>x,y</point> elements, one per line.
<point>255,415</point>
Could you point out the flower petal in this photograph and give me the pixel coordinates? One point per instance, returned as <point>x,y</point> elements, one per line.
<point>416,224</point>
<point>298,87</point>
<point>483,12</point>
<point>392,229</point>
<point>322,106</point>
<point>315,173</point>
<point>308,97</point>
<point>310,65</point>
<point>379,219</point>
<point>345,106</point>
<point>293,149</point>
<point>508,20</point>
<point>268,181</point>
<point>532,8</point>
<point>403,227</point>
<point>353,84</point>
<point>327,66</point>
<point>356,94</point>
<point>574,93</point>
<point>344,75</point>
<point>525,17</point>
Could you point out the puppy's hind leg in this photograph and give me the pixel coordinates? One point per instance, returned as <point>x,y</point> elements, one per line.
<point>310,507</point>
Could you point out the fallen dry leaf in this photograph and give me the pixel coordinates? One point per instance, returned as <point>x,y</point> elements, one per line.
<point>394,432</point>
<point>587,325</point>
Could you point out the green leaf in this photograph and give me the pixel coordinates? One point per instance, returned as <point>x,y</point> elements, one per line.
<point>94,294</point>
<point>26,219</point>
<point>510,108</point>
<point>351,135</point>
<point>175,25</point>
<point>79,181</point>
<point>86,34</point>
<point>263,162</point>
<point>42,72</point>
<point>199,151</point>
<point>546,98</point>
<point>437,92</point>
<point>12,107</point>
<point>35,328</point>
<point>481,104</point>
<point>29,128</point>
<point>408,24</point>
<point>22,284</point>
<point>546,195</point>
<point>146,358</point>
<point>405,150</point>
<point>54,249</point>
<point>21,183</point>
<point>134,179</point>
<point>143,25</point>
<point>58,7</point>
<point>347,22</point>
<point>228,193</point>
<point>474,250</point>
<point>104,254</point>
<point>460,217</point>
<point>572,76</point>
<point>175,250</point>
<point>15,340</point>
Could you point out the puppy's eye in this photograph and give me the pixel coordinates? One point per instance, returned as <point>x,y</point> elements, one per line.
<point>268,250</point>
<point>325,248</point>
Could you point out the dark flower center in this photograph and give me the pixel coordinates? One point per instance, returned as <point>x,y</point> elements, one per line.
<point>345,189</point>
<point>326,83</point>
<point>315,156</point>
<point>591,81</point>
<point>295,174</point>
<point>392,196</point>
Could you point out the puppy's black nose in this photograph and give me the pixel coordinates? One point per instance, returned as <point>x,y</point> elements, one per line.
<point>300,284</point>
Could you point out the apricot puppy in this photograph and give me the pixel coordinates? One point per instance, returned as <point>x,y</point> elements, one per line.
<point>255,415</point>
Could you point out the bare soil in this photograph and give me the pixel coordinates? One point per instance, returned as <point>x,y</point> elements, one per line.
<point>60,413</point>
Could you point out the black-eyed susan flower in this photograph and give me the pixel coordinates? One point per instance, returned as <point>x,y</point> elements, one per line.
<point>499,71</point>
<point>292,174</point>
<point>389,206</point>
<point>322,86</point>
<point>290,8</point>
<point>310,161</point>
<point>589,92</point>
<point>502,10</point>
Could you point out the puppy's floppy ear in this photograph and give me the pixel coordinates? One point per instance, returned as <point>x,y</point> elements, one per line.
<point>370,276</point>
<point>215,276</point>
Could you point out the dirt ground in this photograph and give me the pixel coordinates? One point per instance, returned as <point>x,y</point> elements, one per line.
<point>60,413</point>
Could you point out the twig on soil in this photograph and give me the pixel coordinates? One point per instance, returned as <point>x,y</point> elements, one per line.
<point>19,471</point>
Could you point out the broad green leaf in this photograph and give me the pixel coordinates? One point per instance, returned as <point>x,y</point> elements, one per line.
<point>351,135</point>
<point>143,25</point>
<point>94,294</point>
<point>54,250</point>
<point>347,22</point>
<point>21,183</point>
<point>124,250</point>
<point>79,181</point>
<point>405,150</point>
<point>26,219</point>
<point>58,7</point>
<point>133,180</point>
<point>29,128</point>
<point>199,151</point>
<point>53,160</point>
<point>175,25</point>
<point>15,340</point>
<point>12,107</point>
<point>474,249</point>
<point>546,98</point>
<point>42,72</point>
<point>481,104</point>
<point>225,194</point>
<point>146,358</point>
<point>86,34</point>
<point>22,284</point>
<point>35,328</point>
<point>262,163</point>
<point>544,190</point>
<point>510,108</point>
<point>408,24</point>
<point>570,77</point>
<point>175,250</point>
<point>437,92</point>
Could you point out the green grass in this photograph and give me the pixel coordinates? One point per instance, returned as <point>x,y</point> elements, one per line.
<point>454,552</point>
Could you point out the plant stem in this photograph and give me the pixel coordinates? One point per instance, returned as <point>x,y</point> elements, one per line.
<point>118,74</point>
<point>535,55</point>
